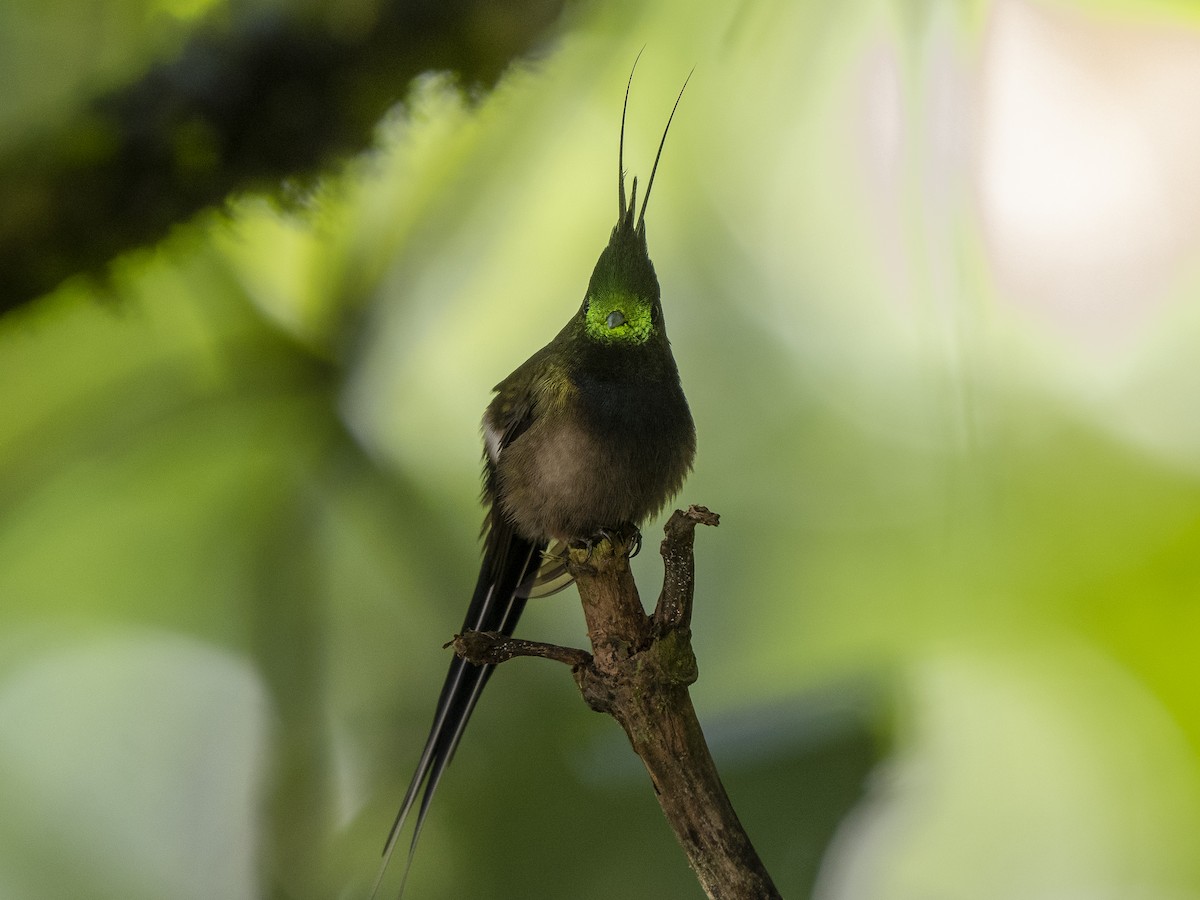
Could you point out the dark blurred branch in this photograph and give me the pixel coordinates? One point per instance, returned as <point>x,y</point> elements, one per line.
<point>276,95</point>
<point>639,672</point>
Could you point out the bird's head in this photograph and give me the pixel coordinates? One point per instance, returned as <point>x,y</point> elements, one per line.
<point>623,302</point>
<point>623,299</point>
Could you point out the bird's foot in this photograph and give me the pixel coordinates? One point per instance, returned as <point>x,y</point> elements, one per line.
<point>588,544</point>
<point>635,543</point>
<point>628,535</point>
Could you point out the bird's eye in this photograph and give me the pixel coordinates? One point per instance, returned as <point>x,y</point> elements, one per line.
<point>615,318</point>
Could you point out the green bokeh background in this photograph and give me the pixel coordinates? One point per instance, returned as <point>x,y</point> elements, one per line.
<point>948,627</point>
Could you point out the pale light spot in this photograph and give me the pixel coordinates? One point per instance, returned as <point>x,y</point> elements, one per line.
<point>1083,136</point>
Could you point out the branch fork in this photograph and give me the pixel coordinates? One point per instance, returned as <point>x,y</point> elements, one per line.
<point>639,672</point>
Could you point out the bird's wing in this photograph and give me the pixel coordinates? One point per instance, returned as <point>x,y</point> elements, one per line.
<point>507,418</point>
<point>509,570</point>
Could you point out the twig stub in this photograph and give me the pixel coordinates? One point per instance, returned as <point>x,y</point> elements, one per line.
<point>490,648</point>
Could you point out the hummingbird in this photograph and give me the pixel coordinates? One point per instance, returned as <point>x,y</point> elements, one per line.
<point>587,438</point>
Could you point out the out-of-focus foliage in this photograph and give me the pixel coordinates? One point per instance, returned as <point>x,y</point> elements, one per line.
<point>137,122</point>
<point>930,272</point>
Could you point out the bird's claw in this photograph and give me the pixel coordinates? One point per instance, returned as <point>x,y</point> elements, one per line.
<point>613,536</point>
<point>588,544</point>
<point>635,545</point>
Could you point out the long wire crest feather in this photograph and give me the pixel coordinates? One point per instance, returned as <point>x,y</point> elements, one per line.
<point>641,224</point>
<point>621,146</point>
<point>625,212</point>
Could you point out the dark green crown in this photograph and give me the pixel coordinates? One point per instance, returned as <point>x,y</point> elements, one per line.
<point>624,265</point>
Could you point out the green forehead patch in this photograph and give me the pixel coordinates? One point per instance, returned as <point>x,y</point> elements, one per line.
<point>632,325</point>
